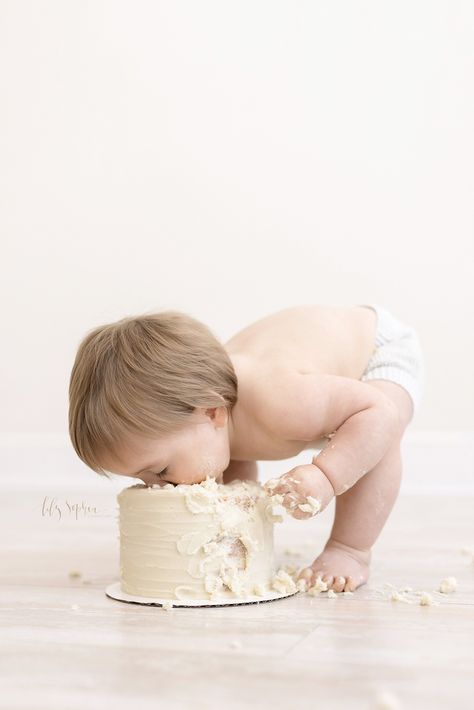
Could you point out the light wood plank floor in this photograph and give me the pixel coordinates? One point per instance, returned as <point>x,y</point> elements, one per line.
<point>350,652</point>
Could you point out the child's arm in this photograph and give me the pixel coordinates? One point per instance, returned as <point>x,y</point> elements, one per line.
<point>303,407</point>
<point>361,439</point>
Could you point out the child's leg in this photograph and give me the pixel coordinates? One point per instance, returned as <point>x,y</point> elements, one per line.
<point>362,511</point>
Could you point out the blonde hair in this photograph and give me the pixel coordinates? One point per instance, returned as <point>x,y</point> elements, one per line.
<point>144,375</point>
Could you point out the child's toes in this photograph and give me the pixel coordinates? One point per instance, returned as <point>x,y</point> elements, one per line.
<point>328,578</point>
<point>351,584</point>
<point>307,574</point>
<point>339,583</point>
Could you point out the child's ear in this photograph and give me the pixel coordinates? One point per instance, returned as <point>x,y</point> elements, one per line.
<point>217,414</point>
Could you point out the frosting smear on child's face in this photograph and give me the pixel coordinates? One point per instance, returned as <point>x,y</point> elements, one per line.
<point>200,450</point>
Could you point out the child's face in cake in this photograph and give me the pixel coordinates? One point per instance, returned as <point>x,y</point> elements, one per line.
<point>201,449</point>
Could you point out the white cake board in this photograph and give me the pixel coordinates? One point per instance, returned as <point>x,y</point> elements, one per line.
<point>114,591</point>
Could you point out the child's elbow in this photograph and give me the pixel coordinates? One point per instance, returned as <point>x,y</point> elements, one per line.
<point>391,417</point>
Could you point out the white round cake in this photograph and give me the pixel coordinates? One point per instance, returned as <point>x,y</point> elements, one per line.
<point>198,541</point>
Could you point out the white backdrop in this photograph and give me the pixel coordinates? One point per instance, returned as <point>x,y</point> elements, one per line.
<point>231,159</point>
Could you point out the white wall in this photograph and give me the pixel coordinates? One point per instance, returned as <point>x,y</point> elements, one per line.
<point>229,159</point>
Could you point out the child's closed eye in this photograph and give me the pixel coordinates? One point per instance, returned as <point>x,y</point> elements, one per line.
<point>161,473</point>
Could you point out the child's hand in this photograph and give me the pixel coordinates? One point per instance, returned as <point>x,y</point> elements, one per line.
<point>305,491</point>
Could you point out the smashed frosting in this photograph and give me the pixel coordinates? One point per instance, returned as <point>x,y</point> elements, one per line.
<point>282,582</point>
<point>318,586</point>
<point>313,505</point>
<point>275,502</point>
<point>198,541</point>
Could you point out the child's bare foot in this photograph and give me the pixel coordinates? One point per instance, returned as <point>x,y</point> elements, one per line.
<point>305,490</point>
<point>342,567</point>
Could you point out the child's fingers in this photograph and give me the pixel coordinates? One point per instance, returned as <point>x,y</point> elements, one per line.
<point>299,514</point>
<point>278,486</point>
<point>286,486</point>
<point>271,485</point>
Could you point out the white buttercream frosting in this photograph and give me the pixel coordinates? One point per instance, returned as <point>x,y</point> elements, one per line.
<point>196,541</point>
<point>312,506</point>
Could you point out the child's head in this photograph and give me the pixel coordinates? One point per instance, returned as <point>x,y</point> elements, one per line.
<point>149,392</point>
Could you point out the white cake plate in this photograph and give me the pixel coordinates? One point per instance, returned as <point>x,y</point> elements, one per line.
<point>114,591</point>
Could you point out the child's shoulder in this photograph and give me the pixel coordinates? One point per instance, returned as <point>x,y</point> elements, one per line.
<point>334,340</point>
<point>294,406</point>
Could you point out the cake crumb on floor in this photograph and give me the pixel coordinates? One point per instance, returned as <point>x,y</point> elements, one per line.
<point>398,597</point>
<point>386,701</point>
<point>301,585</point>
<point>427,600</point>
<point>283,583</point>
<point>418,596</point>
<point>448,585</point>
